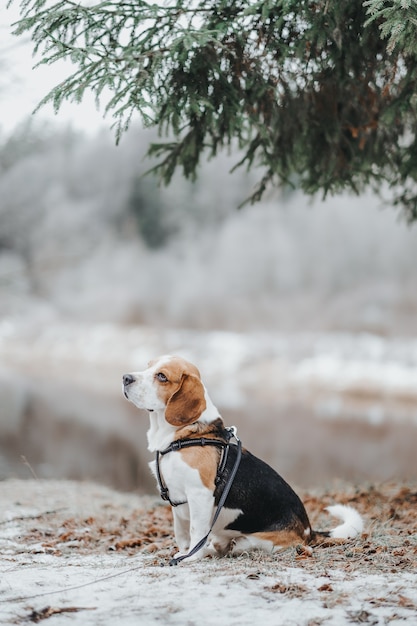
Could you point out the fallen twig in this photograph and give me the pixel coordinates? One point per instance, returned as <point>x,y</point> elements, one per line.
<point>48,611</point>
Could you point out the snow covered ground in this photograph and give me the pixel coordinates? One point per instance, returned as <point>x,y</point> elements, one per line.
<point>58,580</point>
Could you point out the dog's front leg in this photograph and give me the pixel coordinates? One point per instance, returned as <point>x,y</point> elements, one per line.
<point>201,507</point>
<point>182,527</point>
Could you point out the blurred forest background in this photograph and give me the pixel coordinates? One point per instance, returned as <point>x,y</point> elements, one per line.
<point>301,315</point>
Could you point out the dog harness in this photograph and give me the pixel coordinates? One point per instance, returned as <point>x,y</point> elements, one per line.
<point>202,441</point>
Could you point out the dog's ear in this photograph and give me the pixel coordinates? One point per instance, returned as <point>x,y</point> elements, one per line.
<point>187,404</point>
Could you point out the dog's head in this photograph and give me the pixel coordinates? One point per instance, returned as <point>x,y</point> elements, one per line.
<point>171,385</point>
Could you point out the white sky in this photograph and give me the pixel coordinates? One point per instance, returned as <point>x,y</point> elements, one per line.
<point>22,87</point>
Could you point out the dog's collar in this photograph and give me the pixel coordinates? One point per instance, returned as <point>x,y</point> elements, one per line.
<point>179,444</point>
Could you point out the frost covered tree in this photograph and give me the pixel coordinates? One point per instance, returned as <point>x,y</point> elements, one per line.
<point>319,93</point>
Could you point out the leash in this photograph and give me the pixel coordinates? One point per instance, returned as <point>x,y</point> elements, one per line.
<point>202,441</point>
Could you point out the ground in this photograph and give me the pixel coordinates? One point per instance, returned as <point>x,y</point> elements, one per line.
<point>79,553</point>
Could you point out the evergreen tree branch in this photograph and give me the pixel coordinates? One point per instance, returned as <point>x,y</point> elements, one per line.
<point>321,92</point>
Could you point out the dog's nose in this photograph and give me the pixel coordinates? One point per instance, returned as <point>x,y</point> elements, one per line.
<point>128,379</point>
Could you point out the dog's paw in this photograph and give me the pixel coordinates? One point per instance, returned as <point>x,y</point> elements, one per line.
<point>189,559</point>
<point>178,554</point>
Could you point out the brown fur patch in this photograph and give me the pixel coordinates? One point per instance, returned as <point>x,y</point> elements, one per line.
<point>187,404</point>
<point>174,369</point>
<point>182,392</point>
<point>282,538</point>
<point>213,430</point>
<point>205,460</point>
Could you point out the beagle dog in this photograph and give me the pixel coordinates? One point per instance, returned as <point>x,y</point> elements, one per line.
<point>260,511</point>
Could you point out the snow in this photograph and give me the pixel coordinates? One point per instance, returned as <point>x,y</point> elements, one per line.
<point>210,594</point>
<point>113,589</point>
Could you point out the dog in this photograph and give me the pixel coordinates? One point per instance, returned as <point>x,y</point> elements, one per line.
<point>260,510</point>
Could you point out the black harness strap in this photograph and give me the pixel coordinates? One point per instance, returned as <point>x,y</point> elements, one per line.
<point>184,443</point>
<point>163,489</point>
<point>187,443</point>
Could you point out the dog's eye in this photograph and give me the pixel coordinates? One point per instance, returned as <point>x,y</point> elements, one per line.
<point>161,377</point>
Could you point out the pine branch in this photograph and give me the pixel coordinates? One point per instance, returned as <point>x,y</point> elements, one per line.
<point>319,92</point>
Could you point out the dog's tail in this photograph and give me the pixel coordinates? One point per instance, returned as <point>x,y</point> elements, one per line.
<point>351,527</point>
